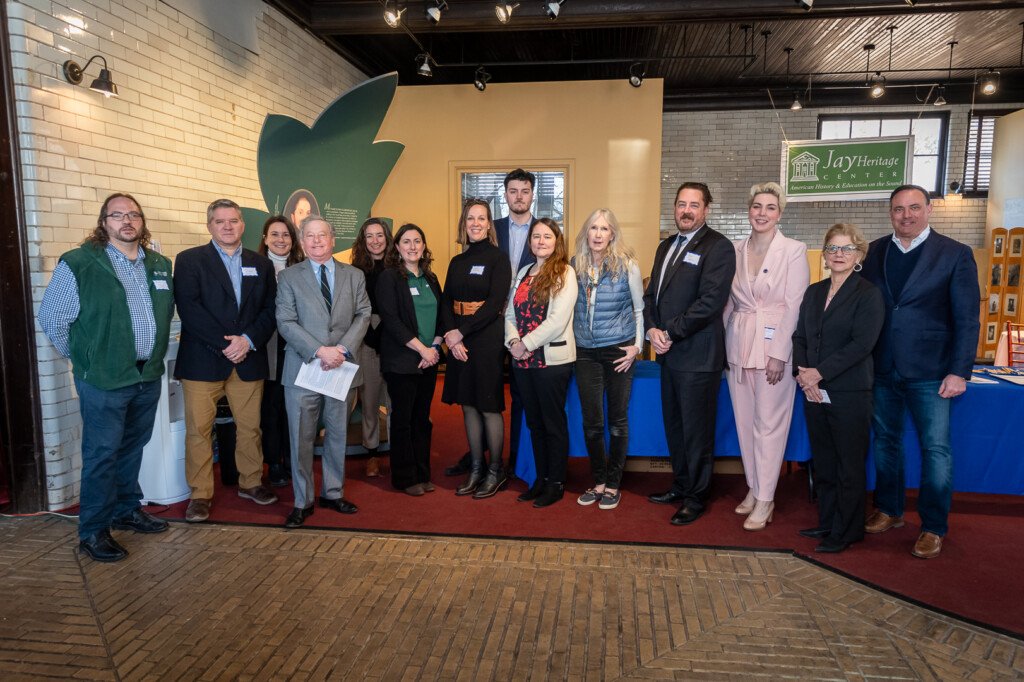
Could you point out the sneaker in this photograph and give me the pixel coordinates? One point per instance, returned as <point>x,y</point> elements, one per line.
<point>609,501</point>
<point>261,494</point>
<point>590,497</point>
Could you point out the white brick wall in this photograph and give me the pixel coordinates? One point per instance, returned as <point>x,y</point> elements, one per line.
<point>732,150</point>
<point>183,132</point>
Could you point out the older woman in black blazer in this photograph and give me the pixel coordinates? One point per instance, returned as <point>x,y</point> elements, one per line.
<point>840,320</point>
<point>409,302</point>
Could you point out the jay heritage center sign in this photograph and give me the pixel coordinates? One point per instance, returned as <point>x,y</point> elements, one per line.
<point>833,170</point>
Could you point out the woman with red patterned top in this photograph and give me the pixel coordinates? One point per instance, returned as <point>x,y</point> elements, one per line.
<point>539,334</point>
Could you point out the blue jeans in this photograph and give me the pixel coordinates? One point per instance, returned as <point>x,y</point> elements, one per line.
<point>893,395</point>
<point>116,425</point>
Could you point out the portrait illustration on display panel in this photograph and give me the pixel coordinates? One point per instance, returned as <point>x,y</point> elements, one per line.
<point>1011,305</point>
<point>1013,275</point>
<point>990,332</point>
<point>997,275</point>
<point>997,246</point>
<point>993,304</point>
<point>1016,245</point>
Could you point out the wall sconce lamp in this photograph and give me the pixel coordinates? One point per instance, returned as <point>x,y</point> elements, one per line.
<point>74,74</point>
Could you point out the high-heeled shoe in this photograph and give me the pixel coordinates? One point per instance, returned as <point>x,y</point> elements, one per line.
<point>761,516</point>
<point>747,505</point>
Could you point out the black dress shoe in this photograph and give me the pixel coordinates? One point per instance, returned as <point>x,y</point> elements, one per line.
<point>140,522</point>
<point>101,547</point>
<point>341,505</point>
<point>670,497</point>
<point>686,516</point>
<point>816,533</point>
<point>553,492</point>
<point>460,467</point>
<point>533,493</point>
<point>828,546</point>
<point>298,516</point>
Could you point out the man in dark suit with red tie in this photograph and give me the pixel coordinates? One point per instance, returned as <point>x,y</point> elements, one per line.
<point>683,307</point>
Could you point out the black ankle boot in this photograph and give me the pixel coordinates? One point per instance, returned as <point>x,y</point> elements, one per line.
<point>553,492</point>
<point>494,481</point>
<point>533,493</point>
<point>473,481</point>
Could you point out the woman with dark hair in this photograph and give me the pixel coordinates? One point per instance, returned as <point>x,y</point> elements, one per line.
<point>409,301</point>
<point>279,243</point>
<point>474,295</point>
<point>840,320</point>
<point>372,242</point>
<point>539,334</point>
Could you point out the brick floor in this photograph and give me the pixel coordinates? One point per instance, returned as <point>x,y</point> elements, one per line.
<point>223,602</point>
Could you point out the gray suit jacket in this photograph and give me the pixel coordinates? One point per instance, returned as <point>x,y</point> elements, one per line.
<point>302,317</point>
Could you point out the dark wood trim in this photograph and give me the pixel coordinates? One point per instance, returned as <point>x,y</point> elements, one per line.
<point>21,442</point>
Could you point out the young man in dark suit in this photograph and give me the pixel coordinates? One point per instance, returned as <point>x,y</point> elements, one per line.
<point>683,307</point>
<point>225,296</point>
<point>923,359</point>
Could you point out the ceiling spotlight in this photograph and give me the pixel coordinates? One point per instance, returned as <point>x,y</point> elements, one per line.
<point>877,85</point>
<point>806,4</point>
<point>393,16</point>
<point>636,75</point>
<point>434,13</point>
<point>503,10</point>
<point>481,78</point>
<point>796,105</point>
<point>911,2</point>
<point>553,8</point>
<point>990,82</point>
<point>103,84</point>
<point>940,101</point>
<point>424,68</point>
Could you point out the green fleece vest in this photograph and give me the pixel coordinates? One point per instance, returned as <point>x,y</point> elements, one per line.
<point>101,341</point>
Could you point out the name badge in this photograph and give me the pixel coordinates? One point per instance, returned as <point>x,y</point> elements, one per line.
<point>161,284</point>
<point>248,271</point>
<point>691,258</point>
<point>769,333</point>
<point>476,270</point>
<point>414,291</point>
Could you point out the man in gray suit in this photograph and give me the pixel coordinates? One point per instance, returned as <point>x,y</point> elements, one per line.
<point>323,313</point>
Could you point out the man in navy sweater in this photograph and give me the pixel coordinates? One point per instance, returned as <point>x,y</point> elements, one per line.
<point>923,359</point>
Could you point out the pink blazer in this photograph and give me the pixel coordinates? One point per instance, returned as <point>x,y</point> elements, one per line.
<point>761,316</point>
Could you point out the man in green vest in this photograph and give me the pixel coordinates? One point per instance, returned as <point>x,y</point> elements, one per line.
<point>108,308</point>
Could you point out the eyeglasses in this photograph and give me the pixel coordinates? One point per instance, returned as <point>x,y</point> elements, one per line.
<point>832,249</point>
<point>133,216</point>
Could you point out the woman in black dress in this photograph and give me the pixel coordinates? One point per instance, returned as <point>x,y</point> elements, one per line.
<point>372,242</point>
<point>409,300</point>
<point>474,293</point>
<point>840,320</point>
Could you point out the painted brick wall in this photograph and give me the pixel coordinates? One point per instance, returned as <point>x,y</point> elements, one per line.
<point>732,150</point>
<point>182,133</point>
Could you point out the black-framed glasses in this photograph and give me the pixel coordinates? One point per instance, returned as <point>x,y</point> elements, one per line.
<point>833,249</point>
<point>133,216</point>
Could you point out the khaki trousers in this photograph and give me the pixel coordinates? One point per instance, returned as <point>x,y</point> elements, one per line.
<point>200,410</point>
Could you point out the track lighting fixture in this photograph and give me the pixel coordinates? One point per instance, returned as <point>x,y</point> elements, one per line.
<point>393,14</point>
<point>503,10</point>
<point>553,8</point>
<point>636,74</point>
<point>103,84</point>
<point>481,78</point>
<point>434,13</point>
<point>877,85</point>
<point>796,105</point>
<point>940,100</point>
<point>424,68</point>
<point>990,82</point>
<point>806,4</point>
<point>911,2</point>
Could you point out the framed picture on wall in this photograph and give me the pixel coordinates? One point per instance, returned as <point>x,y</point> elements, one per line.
<point>1010,308</point>
<point>993,304</point>
<point>998,246</point>
<point>1016,245</point>
<point>997,275</point>
<point>990,332</point>
<point>1013,275</point>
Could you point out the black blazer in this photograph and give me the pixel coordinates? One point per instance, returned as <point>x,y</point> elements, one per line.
<point>398,321</point>
<point>525,256</point>
<point>692,300</point>
<point>208,312</point>
<point>838,341</point>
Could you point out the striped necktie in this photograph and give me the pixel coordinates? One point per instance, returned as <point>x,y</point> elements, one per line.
<point>325,288</point>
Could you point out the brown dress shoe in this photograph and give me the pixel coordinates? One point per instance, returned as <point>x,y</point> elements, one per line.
<point>372,468</point>
<point>928,546</point>
<point>879,522</point>
<point>198,510</point>
<point>261,494</point>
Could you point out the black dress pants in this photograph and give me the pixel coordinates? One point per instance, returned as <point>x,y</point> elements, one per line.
<point>689,403</point>
<point>543,391</point>
<point>839,435</point>
<point>274,424</point>
<point>410,427</point>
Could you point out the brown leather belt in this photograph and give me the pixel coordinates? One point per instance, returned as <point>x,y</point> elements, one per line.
<point>466,307</point>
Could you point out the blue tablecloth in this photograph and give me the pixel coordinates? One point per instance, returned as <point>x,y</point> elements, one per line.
<point>988,455</point>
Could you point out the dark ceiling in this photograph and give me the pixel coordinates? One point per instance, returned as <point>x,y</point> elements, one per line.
<point>711,55</point>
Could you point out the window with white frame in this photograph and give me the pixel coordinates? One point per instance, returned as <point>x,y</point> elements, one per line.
<point>548,195</point>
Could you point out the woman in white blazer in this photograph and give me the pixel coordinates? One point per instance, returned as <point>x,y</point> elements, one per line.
<point>760,317</point>
<point>539,334</point>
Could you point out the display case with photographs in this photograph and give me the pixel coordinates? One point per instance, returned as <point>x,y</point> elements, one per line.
<point>1004,287</point>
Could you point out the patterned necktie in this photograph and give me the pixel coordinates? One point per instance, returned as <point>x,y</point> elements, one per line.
<point>325,288</point>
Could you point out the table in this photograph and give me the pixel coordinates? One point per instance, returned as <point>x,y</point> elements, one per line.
<point>988,456</point>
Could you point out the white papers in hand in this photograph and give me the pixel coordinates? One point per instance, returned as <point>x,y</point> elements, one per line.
<point>824,397</point>
<point>333,383</point>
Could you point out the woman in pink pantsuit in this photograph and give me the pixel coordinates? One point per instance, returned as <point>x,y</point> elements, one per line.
<point>764,303</point>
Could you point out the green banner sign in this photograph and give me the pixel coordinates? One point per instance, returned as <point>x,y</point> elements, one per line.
<point>828,170</point>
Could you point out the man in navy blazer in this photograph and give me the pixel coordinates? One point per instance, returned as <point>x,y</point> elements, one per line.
<point>225,297</point>
<point>923,359</point>
<point>683,308</point>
